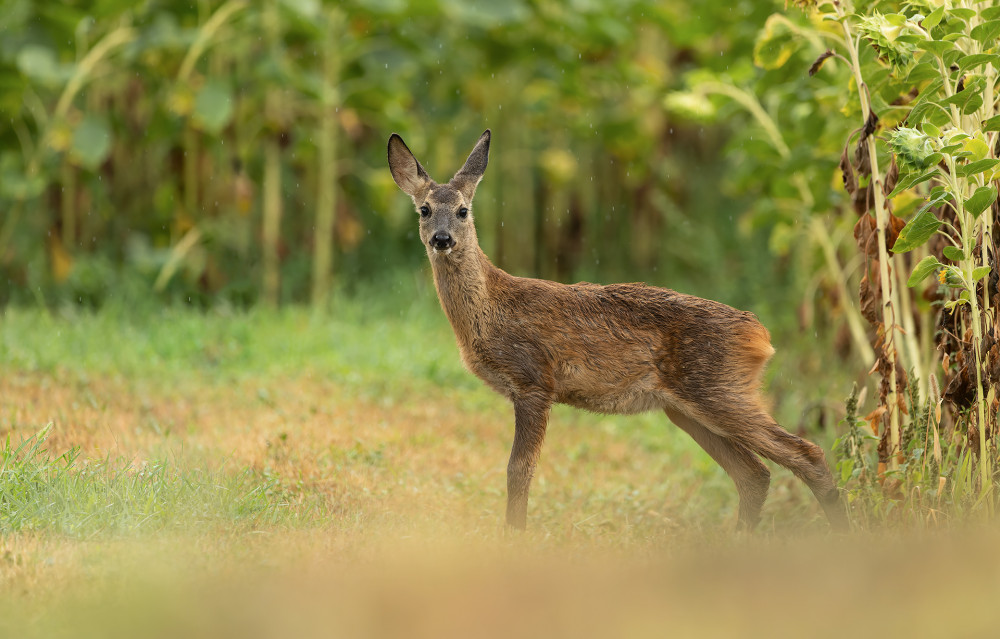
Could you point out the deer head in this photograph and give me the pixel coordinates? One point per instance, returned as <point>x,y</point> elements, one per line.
<point>446,225</point>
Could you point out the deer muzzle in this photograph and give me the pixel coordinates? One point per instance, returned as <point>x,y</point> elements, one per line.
<point>442,241</point>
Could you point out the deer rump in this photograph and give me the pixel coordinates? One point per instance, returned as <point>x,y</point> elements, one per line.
<point>619,348</point>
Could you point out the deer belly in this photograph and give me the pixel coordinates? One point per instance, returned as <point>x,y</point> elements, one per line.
<point>605,390</point>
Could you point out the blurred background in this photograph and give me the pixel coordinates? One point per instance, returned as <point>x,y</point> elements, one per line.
<point>233,153</point>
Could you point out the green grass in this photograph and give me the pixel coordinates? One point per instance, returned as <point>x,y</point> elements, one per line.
<point>378,348</point>
<point>83,498</point>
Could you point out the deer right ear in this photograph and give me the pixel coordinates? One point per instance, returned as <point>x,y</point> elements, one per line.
<point>405,169</point>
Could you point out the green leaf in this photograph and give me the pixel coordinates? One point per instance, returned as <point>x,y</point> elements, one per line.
<point>986,32</point>
<point>980,272</point>
<point>15,183</point>
<point>921,72</point>
<point>977,148</point>
<point>41,65</point>
<point>992,124</point>
<point>911,180</point>
<point>775,43</point>
<point>971,61</point>
<point>918,230</point>
<point>937,47</point>
<point>933,19</point>
<point>923,268</point>
<point>954,253</point>
<point>982,198</point>
<point>91,142</point>
<point>963,14</point>
<point>991,13</point>
<point>974,168</point>
<point>213,106</point>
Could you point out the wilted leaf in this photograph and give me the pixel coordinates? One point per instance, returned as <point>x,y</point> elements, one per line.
<point>91,142</point>
<point>819,62</point>
<point>775,44</point>
<point>923,269</point>
<point>213,107</point>
<point>982,198</point>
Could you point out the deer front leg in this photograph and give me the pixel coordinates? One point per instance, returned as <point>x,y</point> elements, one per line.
<point>531,416</point>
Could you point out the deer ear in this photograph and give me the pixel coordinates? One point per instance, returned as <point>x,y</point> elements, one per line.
<point>405,169</point>
<point>468,177</point>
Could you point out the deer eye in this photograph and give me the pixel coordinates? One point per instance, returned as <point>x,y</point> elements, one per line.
<point>424,211</point>
<point>462,212</point>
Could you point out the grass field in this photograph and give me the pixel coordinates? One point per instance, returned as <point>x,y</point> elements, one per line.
<point>185,473</point>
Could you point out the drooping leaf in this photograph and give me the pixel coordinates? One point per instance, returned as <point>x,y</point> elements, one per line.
<point>923,269</point>
<point>91,142</point>
<point>982,198</point>
<point>918,230</point>
<point>954,253</point>
<point>213,106</point>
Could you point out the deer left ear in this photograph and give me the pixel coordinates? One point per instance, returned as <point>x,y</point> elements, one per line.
<point>468,177</point>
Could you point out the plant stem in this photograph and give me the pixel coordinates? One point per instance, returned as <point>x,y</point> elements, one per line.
<point>68,204</point>
<point>272,220</point>
<point>326,197</point>
<point>881,222</point>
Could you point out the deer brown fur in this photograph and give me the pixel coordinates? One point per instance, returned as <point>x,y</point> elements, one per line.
<point>621,349</point>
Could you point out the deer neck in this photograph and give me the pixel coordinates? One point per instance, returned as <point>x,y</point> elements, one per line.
<point>462,283</point>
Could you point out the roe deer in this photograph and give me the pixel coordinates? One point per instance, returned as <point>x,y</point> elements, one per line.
<point>621,348</point>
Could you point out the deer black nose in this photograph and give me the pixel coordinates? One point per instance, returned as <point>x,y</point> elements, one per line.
<point>442,241</point>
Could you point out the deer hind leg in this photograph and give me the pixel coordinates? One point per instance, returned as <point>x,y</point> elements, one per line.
<point>760,433</point>
<point>751,476</point>
<point>531,416</point>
